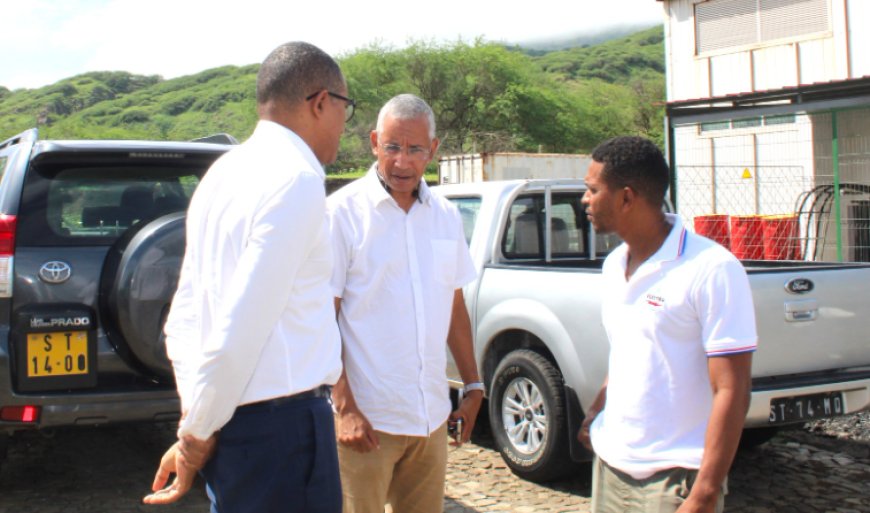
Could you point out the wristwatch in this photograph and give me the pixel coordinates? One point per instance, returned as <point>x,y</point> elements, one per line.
<point>477,385</point>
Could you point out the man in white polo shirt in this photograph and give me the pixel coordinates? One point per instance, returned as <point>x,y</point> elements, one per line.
<point>400,262</point>
<point>679,316</point>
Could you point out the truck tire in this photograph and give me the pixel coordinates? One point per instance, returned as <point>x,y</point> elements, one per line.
<point>528,416</point>
<point>139,279</point>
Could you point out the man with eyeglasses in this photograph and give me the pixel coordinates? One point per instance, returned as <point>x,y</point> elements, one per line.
<point>251,332</point>
<point>400,262</point>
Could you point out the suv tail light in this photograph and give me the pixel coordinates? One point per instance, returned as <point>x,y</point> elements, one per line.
<point>27,414</point>
<point>7,250</point>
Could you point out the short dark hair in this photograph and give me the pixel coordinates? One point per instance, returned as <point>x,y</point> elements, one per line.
<point>634,162</point>
<point>295,70</point>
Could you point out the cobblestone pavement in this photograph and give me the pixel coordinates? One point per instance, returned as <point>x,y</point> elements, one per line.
<point>109,469</point>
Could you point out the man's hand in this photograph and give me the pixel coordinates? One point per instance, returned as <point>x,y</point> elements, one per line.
<point>583,434</point>
<point>467,411</point>
<point>183,459</point>
<point>171,463</point>
<point>594,409</point>
<point>692,506</point>
<point>355,431</point>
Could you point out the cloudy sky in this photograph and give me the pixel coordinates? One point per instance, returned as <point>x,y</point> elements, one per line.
<point>47,40</point>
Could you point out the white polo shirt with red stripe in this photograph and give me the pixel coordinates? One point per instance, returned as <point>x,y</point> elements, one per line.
<point>689,302</point>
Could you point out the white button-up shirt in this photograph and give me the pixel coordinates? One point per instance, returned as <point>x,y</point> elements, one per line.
<point>253,317</point>
<point>396,274</point>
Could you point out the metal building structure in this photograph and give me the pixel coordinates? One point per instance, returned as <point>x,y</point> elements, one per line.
<point>768,120</point>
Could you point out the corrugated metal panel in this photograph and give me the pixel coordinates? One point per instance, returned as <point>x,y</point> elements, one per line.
<point>509,166</point>
<point>817,63</point>
<point>775,67</point>
<point>680,50</point>
<point>859,37</point>
<point>730,73</point>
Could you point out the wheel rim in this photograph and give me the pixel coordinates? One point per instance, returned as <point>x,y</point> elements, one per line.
<point>524,415</point>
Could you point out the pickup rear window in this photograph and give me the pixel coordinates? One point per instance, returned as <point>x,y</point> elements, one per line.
<point>94,205</point>
<point>524,234</point>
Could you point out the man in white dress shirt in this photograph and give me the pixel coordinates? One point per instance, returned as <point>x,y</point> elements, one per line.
<point>401,260</point>
<point>251,333</point>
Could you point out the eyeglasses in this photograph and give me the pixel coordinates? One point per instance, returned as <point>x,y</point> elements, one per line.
<point>413,152</point>
<point>349,108</point>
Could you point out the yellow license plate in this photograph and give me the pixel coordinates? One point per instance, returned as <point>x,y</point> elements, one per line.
<point>57,354</point>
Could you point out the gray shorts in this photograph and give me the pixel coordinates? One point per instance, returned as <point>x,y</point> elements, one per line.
<point>614,491</point>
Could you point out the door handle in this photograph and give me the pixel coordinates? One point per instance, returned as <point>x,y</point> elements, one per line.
<point>801,311</point>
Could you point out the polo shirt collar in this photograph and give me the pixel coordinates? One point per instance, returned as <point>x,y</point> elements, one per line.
<point>377,191</point>
<point>675,243</point>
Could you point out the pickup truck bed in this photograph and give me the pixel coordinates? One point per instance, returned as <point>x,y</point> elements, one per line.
<point>540,302</point>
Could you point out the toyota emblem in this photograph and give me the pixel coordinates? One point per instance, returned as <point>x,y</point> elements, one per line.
<point>55,272</point>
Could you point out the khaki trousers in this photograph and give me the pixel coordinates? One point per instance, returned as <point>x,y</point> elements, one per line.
<point>408,472</point>
<point>663,492</point>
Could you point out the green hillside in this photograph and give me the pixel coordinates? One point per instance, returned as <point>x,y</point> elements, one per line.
<point>613,61</point>
<point>486,97</point>
<point>119,105</point>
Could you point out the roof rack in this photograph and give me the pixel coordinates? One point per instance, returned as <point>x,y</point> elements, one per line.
<point>221,138</point>
<point>31,134</point>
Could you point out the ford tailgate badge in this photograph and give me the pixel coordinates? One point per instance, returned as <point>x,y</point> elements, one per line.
<point>799,286</point>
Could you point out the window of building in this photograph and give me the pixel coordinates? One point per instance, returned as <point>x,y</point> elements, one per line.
<point>746,123</point>
<point>723,24</point>
<point>715,125</point>
<point>779,119</point>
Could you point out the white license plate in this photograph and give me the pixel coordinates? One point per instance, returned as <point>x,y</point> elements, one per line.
<point>806,407</point>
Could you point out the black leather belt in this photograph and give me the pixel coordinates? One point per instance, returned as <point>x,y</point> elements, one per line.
<point>323,391</point>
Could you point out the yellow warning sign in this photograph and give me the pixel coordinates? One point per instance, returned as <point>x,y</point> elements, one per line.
<point>746,173</point>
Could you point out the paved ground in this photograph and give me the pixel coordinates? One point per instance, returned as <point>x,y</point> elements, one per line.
<point>109,469</point>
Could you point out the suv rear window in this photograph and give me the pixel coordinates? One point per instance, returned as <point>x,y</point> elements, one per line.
<point>95,205</point>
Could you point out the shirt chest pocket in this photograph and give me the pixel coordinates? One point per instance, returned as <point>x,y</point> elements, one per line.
<point>444,261</point>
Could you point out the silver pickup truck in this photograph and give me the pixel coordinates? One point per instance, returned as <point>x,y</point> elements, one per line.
<point>542,350</point>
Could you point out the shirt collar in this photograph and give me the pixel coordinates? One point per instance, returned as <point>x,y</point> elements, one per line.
<point>377,189</point>
<point>270,130</point>
<point>675,243</point>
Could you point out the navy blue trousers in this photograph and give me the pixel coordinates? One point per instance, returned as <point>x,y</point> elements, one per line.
<point>276,458</point>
